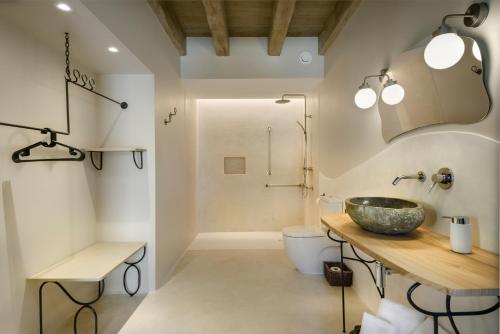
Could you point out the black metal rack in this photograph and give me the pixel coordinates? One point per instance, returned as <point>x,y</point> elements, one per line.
<point>381,290</point>
<point>75,78</point>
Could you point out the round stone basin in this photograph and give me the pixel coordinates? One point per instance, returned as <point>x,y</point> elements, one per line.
<point>385,215</point>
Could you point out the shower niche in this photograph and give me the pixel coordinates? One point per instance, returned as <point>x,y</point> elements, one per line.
<point>234,165</point>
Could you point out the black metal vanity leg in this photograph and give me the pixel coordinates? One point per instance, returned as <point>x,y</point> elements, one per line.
<point>40,306</point>
<point>133,265</point>
<point>342,284</point>
<point>450,314</point>
<point>436,327</point>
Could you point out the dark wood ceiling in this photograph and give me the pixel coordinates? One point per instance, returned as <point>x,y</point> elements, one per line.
<point>242,18</point>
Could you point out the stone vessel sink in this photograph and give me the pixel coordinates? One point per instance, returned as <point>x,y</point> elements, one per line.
<point>385,215</point>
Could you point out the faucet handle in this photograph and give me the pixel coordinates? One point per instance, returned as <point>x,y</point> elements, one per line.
<point>444,178</point>
<point>433,186</point>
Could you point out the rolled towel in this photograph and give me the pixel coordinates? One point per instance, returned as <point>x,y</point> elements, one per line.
<point>427,327</point>
<point>405,320</point>
<point>374,325</point>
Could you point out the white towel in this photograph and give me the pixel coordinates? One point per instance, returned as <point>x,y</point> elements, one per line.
<point>374,325</point>
<point>405,320</point>
<point>427,327</point>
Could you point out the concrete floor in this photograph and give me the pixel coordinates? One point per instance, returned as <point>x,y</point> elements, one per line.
<point>242,292</point>
<point>113,311</point>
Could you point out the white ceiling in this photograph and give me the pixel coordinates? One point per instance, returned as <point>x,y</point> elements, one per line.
<point>89,37</point>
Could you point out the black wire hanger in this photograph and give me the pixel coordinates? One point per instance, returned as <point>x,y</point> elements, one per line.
<point>77,155</point>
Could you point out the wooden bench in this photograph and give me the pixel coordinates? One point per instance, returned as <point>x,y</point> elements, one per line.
<point>92,264</point>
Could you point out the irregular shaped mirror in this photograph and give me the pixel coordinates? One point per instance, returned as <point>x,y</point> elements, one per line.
<point>453,95</point>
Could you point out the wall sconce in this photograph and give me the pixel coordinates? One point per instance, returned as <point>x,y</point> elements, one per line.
<point>447,48</point>
<point>392,93</point>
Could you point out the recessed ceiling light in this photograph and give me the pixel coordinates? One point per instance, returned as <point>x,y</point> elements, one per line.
<point>113,49</point>
<point>63,6</point>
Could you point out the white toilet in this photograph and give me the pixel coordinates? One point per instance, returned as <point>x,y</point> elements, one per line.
<point>308,246</point>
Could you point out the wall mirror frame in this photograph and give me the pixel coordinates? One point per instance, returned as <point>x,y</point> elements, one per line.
<point>454,95</point>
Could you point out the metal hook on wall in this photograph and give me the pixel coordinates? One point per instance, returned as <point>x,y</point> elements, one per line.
<point>170,115</point>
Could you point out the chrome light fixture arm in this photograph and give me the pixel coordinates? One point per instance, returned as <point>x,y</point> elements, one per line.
<point>473,17</point>
<point>383,73</point>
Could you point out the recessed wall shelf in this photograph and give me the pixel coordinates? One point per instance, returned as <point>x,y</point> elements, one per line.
<point>139,163</point>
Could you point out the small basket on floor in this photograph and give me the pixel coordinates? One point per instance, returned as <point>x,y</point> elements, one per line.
<point>356,330</point>
<point>334,277</point>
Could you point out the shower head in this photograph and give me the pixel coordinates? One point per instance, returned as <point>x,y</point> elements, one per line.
<point>282,101</point>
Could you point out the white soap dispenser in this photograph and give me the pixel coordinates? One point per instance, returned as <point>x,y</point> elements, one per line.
<point>460,234</point>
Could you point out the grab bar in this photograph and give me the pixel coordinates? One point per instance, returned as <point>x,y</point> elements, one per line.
<point>270,185</point>
<point>269,129</point>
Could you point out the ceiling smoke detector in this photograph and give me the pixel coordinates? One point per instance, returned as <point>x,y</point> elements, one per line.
<point>305,58</point>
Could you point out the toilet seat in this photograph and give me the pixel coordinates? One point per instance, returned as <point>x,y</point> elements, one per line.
<point>302,231</point>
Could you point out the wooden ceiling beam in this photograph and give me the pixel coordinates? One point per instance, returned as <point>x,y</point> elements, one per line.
<point>170,24</point>
<point>336,22</point>
<point>283,12</point>
<point>216,18</point>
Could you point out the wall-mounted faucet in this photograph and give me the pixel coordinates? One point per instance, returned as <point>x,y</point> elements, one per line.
<point>419,176</point>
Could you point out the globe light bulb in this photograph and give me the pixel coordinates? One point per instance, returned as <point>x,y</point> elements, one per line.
<point>476,51</point>
<point>365,97</point>
<point>393,93</point>
<point>444,51</point>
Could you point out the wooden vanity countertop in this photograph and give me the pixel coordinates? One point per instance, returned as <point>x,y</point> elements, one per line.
<point>424,257</point>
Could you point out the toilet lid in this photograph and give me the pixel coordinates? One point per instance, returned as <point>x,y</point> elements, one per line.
<point>302,231</point>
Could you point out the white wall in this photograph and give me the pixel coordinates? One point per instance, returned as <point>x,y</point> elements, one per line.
<point>174,149</point>
<point>47,208</point>
<point>238,128</point>
<point>355,161</point>
<point>125,194</point>
<point>248,59</point>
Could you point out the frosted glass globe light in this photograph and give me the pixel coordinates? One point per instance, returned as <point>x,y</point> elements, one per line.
<point>444,51</point>
<point>393,93</point>
<point>365,97</point>
<point>476,52</point>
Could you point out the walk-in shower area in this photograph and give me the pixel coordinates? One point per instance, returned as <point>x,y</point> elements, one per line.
<point>254,172</point>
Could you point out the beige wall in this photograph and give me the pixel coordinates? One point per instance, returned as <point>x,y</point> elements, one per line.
<point>238,128</point>
<point>126,195</point>
<point>47,209</point>
<point>174,149</point>
<point>355,160</point>
<point>351,135</point>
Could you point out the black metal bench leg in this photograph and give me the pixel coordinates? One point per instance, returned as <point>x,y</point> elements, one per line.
<point>133,265</point>
<point>83,305</point>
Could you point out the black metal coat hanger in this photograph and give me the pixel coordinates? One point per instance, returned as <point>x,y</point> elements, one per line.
<point>77,154</point>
